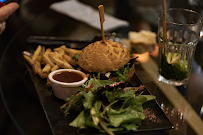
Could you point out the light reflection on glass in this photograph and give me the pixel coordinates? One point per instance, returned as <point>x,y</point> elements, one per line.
<point>201,112</point>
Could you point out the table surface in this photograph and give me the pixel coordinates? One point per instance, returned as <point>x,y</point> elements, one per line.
<point>21,110</point>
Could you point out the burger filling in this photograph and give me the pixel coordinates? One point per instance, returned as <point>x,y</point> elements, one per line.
<point>121,74</point>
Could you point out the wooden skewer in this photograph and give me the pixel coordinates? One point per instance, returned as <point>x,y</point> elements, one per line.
<point>101,14</point>
<point>164,18</point>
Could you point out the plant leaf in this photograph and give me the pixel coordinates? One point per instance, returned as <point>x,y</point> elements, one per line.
<point>79,121</point>
<point>89,96</point>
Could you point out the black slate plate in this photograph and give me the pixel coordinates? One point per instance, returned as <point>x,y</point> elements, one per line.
<point>155,117</point>
<point>59,123</point>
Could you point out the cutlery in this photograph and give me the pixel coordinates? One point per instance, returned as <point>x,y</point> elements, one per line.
<point>50,40</point>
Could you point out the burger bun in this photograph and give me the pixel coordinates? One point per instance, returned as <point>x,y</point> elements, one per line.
<point>103,56</point>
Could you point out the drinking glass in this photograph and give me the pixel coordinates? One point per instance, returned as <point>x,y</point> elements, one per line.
<point>178,34</point>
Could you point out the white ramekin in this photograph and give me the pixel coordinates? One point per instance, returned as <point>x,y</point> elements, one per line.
<point>64,90</point>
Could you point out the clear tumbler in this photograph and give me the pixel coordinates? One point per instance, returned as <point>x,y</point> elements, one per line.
<point>178,34</point>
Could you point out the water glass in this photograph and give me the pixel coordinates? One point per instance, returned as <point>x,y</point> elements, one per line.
<point>178,34</point>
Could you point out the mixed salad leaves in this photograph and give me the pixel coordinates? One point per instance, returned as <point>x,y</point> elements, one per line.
<point>107,106</point>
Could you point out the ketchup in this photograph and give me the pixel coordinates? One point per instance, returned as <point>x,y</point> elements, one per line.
<point>68,76</point>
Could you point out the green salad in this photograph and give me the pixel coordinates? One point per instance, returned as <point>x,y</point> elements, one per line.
<point>107,106</point>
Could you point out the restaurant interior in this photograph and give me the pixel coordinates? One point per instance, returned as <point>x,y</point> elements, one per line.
<point>27,108</point>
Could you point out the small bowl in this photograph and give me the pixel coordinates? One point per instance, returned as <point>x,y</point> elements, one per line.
<point>64,90</point>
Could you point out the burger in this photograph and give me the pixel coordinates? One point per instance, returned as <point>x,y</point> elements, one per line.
<point>100,103</point>
<point>109,59</point>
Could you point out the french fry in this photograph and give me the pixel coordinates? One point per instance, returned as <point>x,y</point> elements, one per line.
<point>61,52</point>
<point>62,59</point>
<point>60,63</point>
<point>47,68</point>
<point>42,51</point>
<point>72,52</point>
<point>54,68</point>
<point>38,58</point>
<point>52,60</point>
<point>56,54</point>
<point>58,48</point>
<point>69,59</point>
<point>53,54</point>
<point>44,60</point>
<point>39,70</point>
<point>31,62</point>
<point>36,53</point>
<point>41,55</point>
<point>63,46</point>
<point>47,60</point>
<point>48,50</point>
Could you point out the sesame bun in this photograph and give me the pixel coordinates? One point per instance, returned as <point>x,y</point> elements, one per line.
<point>103,57</point>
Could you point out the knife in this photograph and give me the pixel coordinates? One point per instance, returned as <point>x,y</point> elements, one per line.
<point>50,40</point>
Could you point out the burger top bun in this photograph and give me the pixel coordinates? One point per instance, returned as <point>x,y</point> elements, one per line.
<point>103,56</point>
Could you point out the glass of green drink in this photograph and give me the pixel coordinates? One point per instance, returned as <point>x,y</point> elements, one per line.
<point>178,32</point>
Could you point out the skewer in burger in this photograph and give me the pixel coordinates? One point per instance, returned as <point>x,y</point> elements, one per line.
<point>109,59</point>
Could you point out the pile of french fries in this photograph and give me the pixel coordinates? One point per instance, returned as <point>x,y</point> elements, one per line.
<point>44,61</point>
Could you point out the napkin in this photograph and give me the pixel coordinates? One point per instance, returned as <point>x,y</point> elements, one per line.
<point>87,14</point>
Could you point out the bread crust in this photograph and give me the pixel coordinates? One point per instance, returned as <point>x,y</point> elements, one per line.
<point>103,57</point>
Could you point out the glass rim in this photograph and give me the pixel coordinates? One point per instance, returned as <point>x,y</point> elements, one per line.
<point>183,9</point>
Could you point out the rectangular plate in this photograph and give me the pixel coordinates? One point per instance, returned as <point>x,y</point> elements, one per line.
<point>59,123</point>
